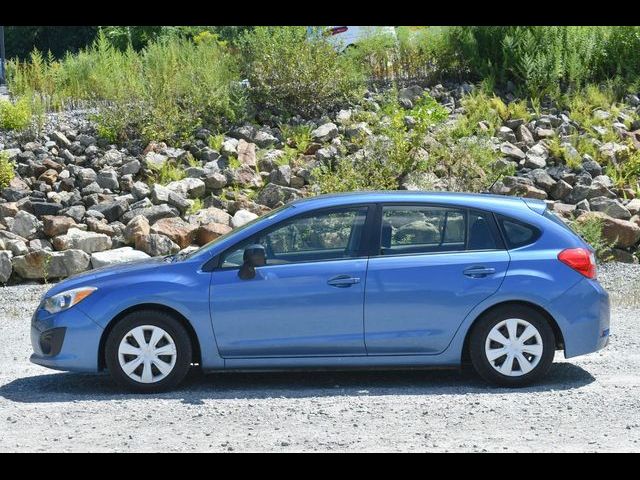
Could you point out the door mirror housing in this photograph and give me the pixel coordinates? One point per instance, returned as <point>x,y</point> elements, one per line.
<point>254,256</point>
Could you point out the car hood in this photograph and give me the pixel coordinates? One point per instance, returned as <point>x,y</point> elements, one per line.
<point>92,276</point>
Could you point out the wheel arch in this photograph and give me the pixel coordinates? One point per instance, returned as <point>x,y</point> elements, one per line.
<point>193,337</point>
<point>557,333</point>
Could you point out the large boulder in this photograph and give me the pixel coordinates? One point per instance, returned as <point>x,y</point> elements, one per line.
<point>210,215</point>
<point>211,231</point>
<point>536,156</point>
<point>81,240</point>
<point>155,245</point>
<point>622,233</point>
<point>273,195</point>
<point>325,132</point>
<point>42,264</point>
<point>112,211</point>
<point>242,217</point>
<point>25,225</point>
<point>179,231</point>
<point>610,206</point>
<point>246,153</point>
<point>116,256</point>
<point>138,226</point>
<point>187,187</point>
<point>55,225</point>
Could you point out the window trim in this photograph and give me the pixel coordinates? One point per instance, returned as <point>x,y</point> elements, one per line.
<point>376,246</point>
<point>362,250</point>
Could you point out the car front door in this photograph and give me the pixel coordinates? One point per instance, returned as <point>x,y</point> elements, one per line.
<point>308,298</point>
<point>435,264</point>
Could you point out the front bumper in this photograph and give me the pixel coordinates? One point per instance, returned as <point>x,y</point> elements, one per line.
<point>67,340</point>
<point>583,314</point>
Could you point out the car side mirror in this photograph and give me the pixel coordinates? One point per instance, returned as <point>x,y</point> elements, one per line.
<point>254,256</point>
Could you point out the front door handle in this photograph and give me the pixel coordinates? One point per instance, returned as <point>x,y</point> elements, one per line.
<point>343,281</point>
<point>479,271</point>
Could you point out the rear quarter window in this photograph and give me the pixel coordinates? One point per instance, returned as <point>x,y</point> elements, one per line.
<point>516,233</point>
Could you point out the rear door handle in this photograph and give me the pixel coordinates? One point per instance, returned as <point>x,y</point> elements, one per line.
<point>343,281</point>
<point>479,271</point>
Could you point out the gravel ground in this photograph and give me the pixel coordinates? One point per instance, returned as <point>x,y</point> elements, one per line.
<point>590,403</point>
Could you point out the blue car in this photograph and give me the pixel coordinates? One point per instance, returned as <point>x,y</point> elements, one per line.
<point>373,279</point>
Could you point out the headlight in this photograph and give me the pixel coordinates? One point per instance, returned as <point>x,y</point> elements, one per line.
<point>65,300</point>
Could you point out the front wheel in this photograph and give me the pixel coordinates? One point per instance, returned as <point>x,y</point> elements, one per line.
<point>148,351</point>
<point>512,346</point>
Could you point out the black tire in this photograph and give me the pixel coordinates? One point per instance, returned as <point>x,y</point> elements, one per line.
<point>154,318</point>
<point>483,327</point>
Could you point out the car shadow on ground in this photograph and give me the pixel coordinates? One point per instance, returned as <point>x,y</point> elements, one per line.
<point>66,387</point>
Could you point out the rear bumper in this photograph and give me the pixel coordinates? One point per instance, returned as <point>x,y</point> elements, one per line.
<point>65,341</point>
<point>582,313</point>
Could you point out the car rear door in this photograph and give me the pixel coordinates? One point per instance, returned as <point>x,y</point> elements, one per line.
<point>435,264</point>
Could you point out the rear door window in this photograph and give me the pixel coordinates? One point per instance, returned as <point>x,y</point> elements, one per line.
<point>516,233</point>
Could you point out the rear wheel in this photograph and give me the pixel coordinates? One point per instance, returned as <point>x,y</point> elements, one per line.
<point>148,351</point>
<point>512,346</point>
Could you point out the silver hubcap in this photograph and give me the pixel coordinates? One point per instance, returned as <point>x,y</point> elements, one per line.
<point>147,354</point>
<point>514,347</point>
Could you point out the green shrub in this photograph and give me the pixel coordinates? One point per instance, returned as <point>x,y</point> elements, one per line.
<point>6,170</point>
<point>15,116</point>
<point>166,173</point>
<point>291,74</point>
<point>591,231</point>
<point>297,137</point>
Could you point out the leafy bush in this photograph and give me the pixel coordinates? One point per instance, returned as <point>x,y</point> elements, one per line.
<point>591,231</point>
<point>291,74</point>
<point>6,170</point>
<point>166,173</point>
<point>15,116</point>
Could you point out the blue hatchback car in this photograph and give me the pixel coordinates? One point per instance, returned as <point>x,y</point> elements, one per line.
<point>374,279</point>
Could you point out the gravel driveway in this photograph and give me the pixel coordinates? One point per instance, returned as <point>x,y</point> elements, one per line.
<point>591,403</point>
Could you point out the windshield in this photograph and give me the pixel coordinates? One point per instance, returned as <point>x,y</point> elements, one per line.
<point>238,230</point>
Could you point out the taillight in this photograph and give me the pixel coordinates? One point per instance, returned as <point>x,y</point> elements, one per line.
<point>580,259</point>
<point>337,30</point>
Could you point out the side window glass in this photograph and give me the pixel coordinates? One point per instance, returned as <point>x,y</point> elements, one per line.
<point>481,235</point>
<point>333,234</point>
<point>516,233</point>
<point>418,229</point>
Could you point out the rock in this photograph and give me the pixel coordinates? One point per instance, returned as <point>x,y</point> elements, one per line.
<point>6,268</point>
<point>247,177</point>
<point>242,217</point>
<point>579,193</point>
<point>273,195</point>
<point>244,132</point>
<point>246,153</point>
<point>154,160</point>
<point>591,166</point>
<point>61,139</point>
<point>614,152</point>
<point>360,129</point>
<point>610,206</point>
<point>41,264</point>
<point>8,209</point>
<point>138,226</point>
<point>325,132</point>
<point>112,211</point>
<point>117,256</point>
<point>210,215</point>
<point>511,151</point>
<point>327,153</point>
<point>524,135</point>
<point>55,225</point>
<point>560,190</point>
<point>188,187</point>
<point>264,139</point>
<point>131,168</point>
<point>86,176</point>
<point>215,181</point>
<point>108,178</point>
<point>113,157</point>
<point>140,190</point>
<point>281,175</point>
<point>75,212</point>
<point>153,213</point>
<point>40,244</point>
<point>45,208</point>
<point>622,233</point>
<point>156,245</point>
<point>536,157</point>
<point>179,231</point>
<point>544,132</point>
<point>633,206</point>
<point>506,135</point>
<point>49,176</point>
<point>542,179</point>
<point>229,147</point>
<point>210,231</point>
<point>25,225</point>
<point>412,93</point>
<point>564,209</point>
<point>623,256</point>
<point>77,239</point>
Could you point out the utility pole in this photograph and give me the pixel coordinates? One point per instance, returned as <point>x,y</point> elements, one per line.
<point>2,74</point>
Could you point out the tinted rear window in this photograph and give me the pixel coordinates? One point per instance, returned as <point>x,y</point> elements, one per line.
<point>517,233</point>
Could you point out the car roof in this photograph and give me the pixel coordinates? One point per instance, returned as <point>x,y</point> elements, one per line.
<point>498,203</point>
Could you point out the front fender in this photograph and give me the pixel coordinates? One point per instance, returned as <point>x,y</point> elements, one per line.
<point>182,287</point>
